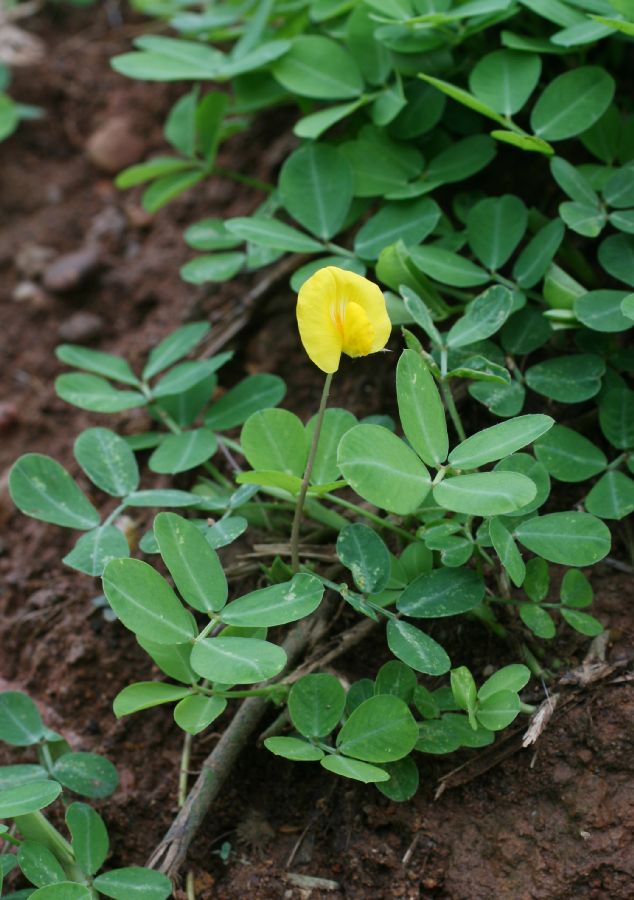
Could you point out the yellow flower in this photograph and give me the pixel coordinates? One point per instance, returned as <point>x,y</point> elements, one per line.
<point>340,312</point>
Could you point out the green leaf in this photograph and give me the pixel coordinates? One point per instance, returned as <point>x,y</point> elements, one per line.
<point>39,865</point>
<point>601,311</point>
<point>336,423</point>
<point>196,713</point>
<point>619,190</point>
<point>527,465</point>
<point>294,749</point>
<point>212,267</point>
<point>182,452</point>
<point>527,142</point>
<point>210,234</point>
<point>582,622</point>
<point>107,460</point>
<point>169,59</point>
<point>145,602</point>
<point>410,221</point>
<point>316,704</point>
<point>316,186</point>
<point>302,70</point>
<point>145,695</point>
<point>394,677</point>
<point>180,125</point>
<point>94,550</point>
<point>315,124</point>
<point>275,440</point>
<point>484,317</point>
<point>537,581</point>
<point>499,441</point>
<point>352,768</point>
<point>498,710</point>
<point>382,167</point>
<point>583,218</point>
<point>403,781</point>
<point>560,290</point>
<point>382,469</point>
<point>485,493</point>
<point>89,837</point>
<point>442,592</point>
<point>507,551</point>
<point>505,79</point>
<point>612,497</point>
<point>569,456</point>
<point>525,331</point>
<point>192,563</point>
<point>158,167</point>
<point>188,374</point>
<point>165,189</point>
<point>538,254</point>
<point>465,98</point>
<point>616,255</point>
<point>495,226</point>
<point>209,122</point>
<point>420,314</point>
<point>268,478</point>
<point>616,417</point>
<point>510,678</point>
<point>447,267</point>
<point>572,102</point>
<point>381,729</point>
<point>174,347</point>
<point>421,410</point>
<point>96,362</point>
<point>28,798</point>
<point>13,776</point>
<point>144,884</point>
<point>173,659</point>
<point>225,531</point>
<point>20,720</point>
<point>95,394</point>
<point>237,660</point>
<point>569,538</point>
<point>415,648</point>
<point>44,490</point>
<point>276,605</point>
<point>86,773</point>
<point>576,590</point>
<point>162,497</point>
<point>568,379</point>
<point>269,232</point>
<point>501,399</point>
<point>63,890</point>
<point>463,688</point>
<point>573,182</point>
<point>252,394</point>
<point>460,160</point>
<point>362,551</point>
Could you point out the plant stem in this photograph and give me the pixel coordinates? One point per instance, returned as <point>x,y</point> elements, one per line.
<point>244,179</point>
<point>383,523</point>
<point>451,408</point>
<point>299,508</point>
<point>184,769</point>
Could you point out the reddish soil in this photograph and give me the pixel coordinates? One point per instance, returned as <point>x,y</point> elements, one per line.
<point>554,821</point>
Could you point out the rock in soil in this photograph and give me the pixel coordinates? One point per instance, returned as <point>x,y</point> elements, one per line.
<point>71,269</point>
<point>81,327</point>
<point>114,145</point>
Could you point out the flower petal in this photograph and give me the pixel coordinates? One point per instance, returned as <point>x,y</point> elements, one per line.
<point>370,298</point>
<point>358,333</point>
<point>318,330</point>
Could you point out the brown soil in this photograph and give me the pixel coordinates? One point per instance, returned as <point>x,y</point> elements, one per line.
<point>554,821</point>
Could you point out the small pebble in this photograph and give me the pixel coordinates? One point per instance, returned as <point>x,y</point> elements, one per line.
<point>70,270</point>
<point>114,145</point>
<point>81,327</point>
<point>32,259</point>
<point>31,294</point>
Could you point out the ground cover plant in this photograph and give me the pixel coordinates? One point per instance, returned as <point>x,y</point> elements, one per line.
<point>441,507</point>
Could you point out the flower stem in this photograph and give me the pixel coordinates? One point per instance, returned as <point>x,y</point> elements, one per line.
<point>299,507</point>
<point>452,409</point>
<point>382,523</point>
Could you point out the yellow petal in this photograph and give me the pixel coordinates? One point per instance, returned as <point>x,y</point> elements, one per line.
<point>358,333</point>
<point>370,298</point>
<point>318,329</point>
<point>340,311</point>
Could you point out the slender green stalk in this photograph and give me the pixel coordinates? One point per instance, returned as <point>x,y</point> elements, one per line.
<point>382,523</point>
<point>299,508</point>
<point>244,179</point>
<point>184,769</point>
<point>452,409</point>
